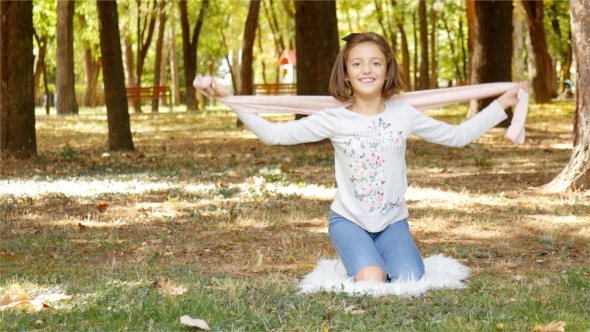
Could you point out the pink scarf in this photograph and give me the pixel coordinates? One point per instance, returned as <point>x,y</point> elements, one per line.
<point>423,99</point>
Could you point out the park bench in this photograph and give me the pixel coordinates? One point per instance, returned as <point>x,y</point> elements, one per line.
<point>142,93</point>
<point>275,89</point>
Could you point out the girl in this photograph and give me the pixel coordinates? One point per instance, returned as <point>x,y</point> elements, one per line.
<point>367,220</point>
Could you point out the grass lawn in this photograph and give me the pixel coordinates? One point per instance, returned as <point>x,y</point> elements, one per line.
<point>204,220</point>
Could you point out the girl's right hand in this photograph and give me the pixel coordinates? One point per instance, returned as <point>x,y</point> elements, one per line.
<point>208,86</point>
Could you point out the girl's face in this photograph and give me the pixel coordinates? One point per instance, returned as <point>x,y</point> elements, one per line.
<point>366,67</point>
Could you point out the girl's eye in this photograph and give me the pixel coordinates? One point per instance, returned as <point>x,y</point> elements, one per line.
<point>377,63</point>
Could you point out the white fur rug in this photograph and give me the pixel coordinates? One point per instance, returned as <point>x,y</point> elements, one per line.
<point>440,272</point>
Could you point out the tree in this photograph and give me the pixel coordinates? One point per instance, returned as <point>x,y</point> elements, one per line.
<point>87,22</point>
<point>45,23</point>
<point>316,42</point>
<point>246,75</point>
<point>17,107</point>
<point>424,79</point>
<point>542,76</point>
<point>114,78</point>
<point>493,47</point>
<point>189,47</point>
<point>65,81</point>
<point>576,174</point>
<point>162,15</point>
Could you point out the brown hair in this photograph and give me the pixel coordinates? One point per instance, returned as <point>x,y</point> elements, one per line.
<point>340,89</point>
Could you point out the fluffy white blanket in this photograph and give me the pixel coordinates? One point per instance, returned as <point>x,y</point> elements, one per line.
<point>440,272</point>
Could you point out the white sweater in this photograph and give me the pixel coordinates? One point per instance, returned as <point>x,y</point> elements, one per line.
<point>370,160</point>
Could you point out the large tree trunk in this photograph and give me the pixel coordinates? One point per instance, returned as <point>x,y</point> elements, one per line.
<point>159,45</point>
<point>576,174</point>
<point>114,78</point>
<point>189,47</point>
<point>17,96</point>
<point>64,79</point>
<point>316,42</point>
<point>492,56</point>
<point>543,69</point>
<point>247,74</point>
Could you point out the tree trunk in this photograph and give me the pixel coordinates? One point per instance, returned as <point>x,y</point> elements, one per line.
<point>129,63</point>
<point>518,69</point>
<point>433,55</point>
<point>114,79</point>
<point>174,72</point>
<point>159,45</point>
<point>576,174</point>
<point>316,42</point>
<point>471,21</point>
<point>189,47</point>
<point>492,58</point>
<point>39,65</point>
<point>144,40</point>
<point>17,96</point>
<point>91,70</point>
<point>247,77</point>
<point>64,79</point>
<point>424,79</point>
<point>405,65</point>
<point>542,75</point>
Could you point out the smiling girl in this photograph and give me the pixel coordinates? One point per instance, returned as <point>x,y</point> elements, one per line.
<point>368,218</point>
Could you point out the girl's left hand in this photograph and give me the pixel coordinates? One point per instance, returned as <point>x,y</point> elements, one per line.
<point>210,87</point>
<point>509,98</point>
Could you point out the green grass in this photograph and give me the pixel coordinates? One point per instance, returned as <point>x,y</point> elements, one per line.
<point>126,299</point>
<point>102,230</point>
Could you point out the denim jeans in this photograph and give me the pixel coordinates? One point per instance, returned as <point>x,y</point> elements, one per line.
<point>393,249</point>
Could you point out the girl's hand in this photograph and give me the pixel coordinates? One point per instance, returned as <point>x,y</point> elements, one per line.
<point>509,98</point>
<point>210,87</point>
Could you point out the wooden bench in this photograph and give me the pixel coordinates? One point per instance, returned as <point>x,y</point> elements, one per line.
<point>275,89</point>
<point>149,93</point>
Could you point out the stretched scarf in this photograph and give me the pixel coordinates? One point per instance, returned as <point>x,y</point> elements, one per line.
<point>421,100</point>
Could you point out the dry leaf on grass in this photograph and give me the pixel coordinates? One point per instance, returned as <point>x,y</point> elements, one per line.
<point>167,288</point>
<point>194,322</point>
<point>36,304</point>
<point>551,327</point>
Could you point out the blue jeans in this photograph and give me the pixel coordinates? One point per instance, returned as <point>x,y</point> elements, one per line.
<point>393,249</point>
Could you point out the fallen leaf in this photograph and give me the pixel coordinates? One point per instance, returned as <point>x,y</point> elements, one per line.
<point>194,322</point>
<point>6,252</point>
<point>7,299</point>
<point>551,327</point>
<point>102,207</point>
<point>168,289</point>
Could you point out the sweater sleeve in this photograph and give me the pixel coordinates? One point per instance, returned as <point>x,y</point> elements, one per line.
<point>443,133</point>
<point>312,128</point>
